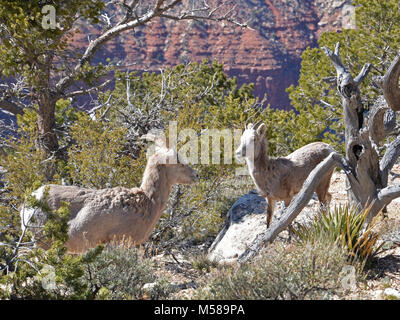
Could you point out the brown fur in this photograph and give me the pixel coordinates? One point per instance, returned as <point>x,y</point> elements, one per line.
<point>100,216</point>
<point>282,178</point>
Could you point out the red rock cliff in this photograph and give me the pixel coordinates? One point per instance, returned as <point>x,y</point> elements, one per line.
<point>267,55</point>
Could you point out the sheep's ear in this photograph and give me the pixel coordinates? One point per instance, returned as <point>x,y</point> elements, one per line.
<point>156,136</point>
<point>148,137</point>
<point>261,130</point>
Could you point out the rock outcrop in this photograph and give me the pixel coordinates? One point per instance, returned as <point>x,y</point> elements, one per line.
<point>244,221</point>
<point>267,55</point>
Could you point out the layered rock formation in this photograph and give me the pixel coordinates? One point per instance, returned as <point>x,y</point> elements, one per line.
<point>267,55</point>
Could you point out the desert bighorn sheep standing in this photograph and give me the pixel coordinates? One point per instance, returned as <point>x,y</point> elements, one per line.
<point>100,216</point>
<point>281,178</point>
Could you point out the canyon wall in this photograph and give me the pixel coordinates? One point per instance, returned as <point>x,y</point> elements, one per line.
<point>268,54</point>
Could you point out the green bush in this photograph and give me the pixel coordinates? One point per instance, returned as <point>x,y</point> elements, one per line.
<point>25,163</point>
<point>121,272</point>
<point>25,269</point>
<point>300,271</point>
<point>97,159</point>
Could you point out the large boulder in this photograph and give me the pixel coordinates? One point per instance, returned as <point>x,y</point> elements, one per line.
<point>244,221</point>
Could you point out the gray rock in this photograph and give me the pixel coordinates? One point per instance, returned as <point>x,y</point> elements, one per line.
<point>392,293</point>
<point>147,287</point>
<point>244,221</point>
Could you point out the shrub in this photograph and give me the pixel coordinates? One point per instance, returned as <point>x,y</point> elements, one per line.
<point>97,159</point>
<point>25,165</point>
<point>344,224</point>
<point>301,271</point>
<point>202,263</point>
<point>28,272</point>
<point>121,272</point>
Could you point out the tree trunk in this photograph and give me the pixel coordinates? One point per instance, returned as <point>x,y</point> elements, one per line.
<point>46,123</point>
<point>365,131</point>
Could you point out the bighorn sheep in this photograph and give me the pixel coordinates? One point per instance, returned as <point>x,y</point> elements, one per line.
<point>101,216</point>
<point>281,178</point>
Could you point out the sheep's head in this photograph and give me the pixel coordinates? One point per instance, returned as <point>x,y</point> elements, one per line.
<point>169,161</point>
<point>250,141</point>
<point>182,173</point>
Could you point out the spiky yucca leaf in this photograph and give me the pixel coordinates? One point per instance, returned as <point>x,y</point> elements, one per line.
<point>344,225</point>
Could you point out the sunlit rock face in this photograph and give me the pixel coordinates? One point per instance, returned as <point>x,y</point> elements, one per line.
<point>268,54</point>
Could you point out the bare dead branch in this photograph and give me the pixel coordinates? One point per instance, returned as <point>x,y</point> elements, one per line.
<point>326,104</point>
<point>389,159</point>
<point>10,107</point>
<point>363,73</point>
<point>381,121</point>
<point>383,198</point>
<point>335,58</point>
<point>84,91</point>
<point>390,85</point>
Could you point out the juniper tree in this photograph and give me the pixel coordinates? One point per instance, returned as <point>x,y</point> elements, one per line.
<point>376,40</point>
<point>40,65</point>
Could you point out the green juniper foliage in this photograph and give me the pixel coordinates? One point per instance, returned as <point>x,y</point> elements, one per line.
<point>376,40</point>
<point>26,43</point>
<point>97,159</point>
<point>28,267</point>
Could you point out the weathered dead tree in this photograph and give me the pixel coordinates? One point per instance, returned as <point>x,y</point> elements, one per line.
<point>365,132</point>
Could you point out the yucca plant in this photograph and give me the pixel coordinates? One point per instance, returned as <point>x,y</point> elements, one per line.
<point>347,226</point>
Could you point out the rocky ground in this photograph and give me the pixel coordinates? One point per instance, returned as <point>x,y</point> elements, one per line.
<point>383,280</point>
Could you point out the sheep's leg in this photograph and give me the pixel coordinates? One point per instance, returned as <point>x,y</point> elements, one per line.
<point>290,227</point>
<point>322,191</point>
<point>270,210</point>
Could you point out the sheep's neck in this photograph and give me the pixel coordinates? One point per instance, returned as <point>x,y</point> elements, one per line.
<point>261,160</point>
<point>258,166</point>
<point>157,187</point>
